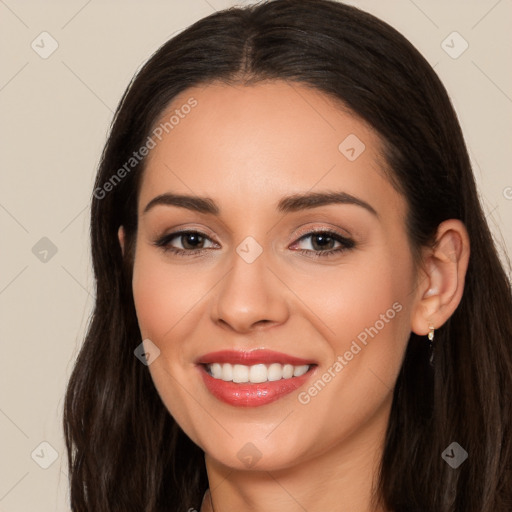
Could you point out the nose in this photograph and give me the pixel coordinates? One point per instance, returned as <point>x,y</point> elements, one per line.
<point>250,297</point>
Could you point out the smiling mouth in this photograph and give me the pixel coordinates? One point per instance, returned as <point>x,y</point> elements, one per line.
<point>255,374</point>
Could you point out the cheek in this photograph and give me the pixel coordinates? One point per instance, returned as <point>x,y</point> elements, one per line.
<point>366,309</point>
<point>162,295</point>
<point>367,312</point>
<point>150,293</point>
<point>164,300</point>
<point>355,295</point>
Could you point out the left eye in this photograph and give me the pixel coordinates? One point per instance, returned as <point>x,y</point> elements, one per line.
<point>190,241</point>
<point>323,240</point>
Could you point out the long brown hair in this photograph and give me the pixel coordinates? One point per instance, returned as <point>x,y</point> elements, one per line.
<point>125,451</point>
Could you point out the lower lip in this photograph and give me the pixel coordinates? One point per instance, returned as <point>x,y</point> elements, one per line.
<point>252,395</point>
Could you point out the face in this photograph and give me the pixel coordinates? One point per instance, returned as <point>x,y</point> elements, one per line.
<point>250,280</point>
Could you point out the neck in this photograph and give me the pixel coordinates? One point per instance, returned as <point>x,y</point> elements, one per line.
<point>341,479</point>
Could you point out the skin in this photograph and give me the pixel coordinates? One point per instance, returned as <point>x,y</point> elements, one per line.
<point>246,147</point>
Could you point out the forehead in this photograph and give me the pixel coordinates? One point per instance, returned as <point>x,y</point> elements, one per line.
<point>256,143</point>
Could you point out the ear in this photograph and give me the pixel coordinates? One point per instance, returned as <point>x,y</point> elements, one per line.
<point>441,282</point>
<point>120,236</point>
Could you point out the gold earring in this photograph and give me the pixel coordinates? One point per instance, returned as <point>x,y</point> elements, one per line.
<point>431,338</point>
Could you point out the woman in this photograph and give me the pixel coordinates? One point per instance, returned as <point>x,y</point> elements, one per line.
<point>299,304</point>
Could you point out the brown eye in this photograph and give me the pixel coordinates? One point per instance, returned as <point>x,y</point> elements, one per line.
<point>323,243</point>
<point>190,241</point>
<point>320,241</point>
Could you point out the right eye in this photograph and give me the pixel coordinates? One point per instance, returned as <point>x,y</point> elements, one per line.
<point>190,241</point>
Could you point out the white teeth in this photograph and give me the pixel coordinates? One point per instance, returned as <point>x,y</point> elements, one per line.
<point>216,370</point>
<point>275,372</point>
<point>227,372</point>
<point>255,374</point>
<point>258,373</point>
<point>300,370</point>
<point>240,373</point>
<point>287,371</point>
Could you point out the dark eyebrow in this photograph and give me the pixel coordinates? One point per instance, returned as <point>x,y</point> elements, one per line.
<point>299,202</point>
<point>293,203</point>
<point>198,204</point>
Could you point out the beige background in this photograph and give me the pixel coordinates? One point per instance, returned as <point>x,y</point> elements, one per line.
<point>55,115</point>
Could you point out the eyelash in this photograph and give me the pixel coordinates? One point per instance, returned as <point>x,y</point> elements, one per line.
<point>346,243</point>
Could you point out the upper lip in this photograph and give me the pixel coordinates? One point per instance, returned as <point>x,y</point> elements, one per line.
<point>252,357</point>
